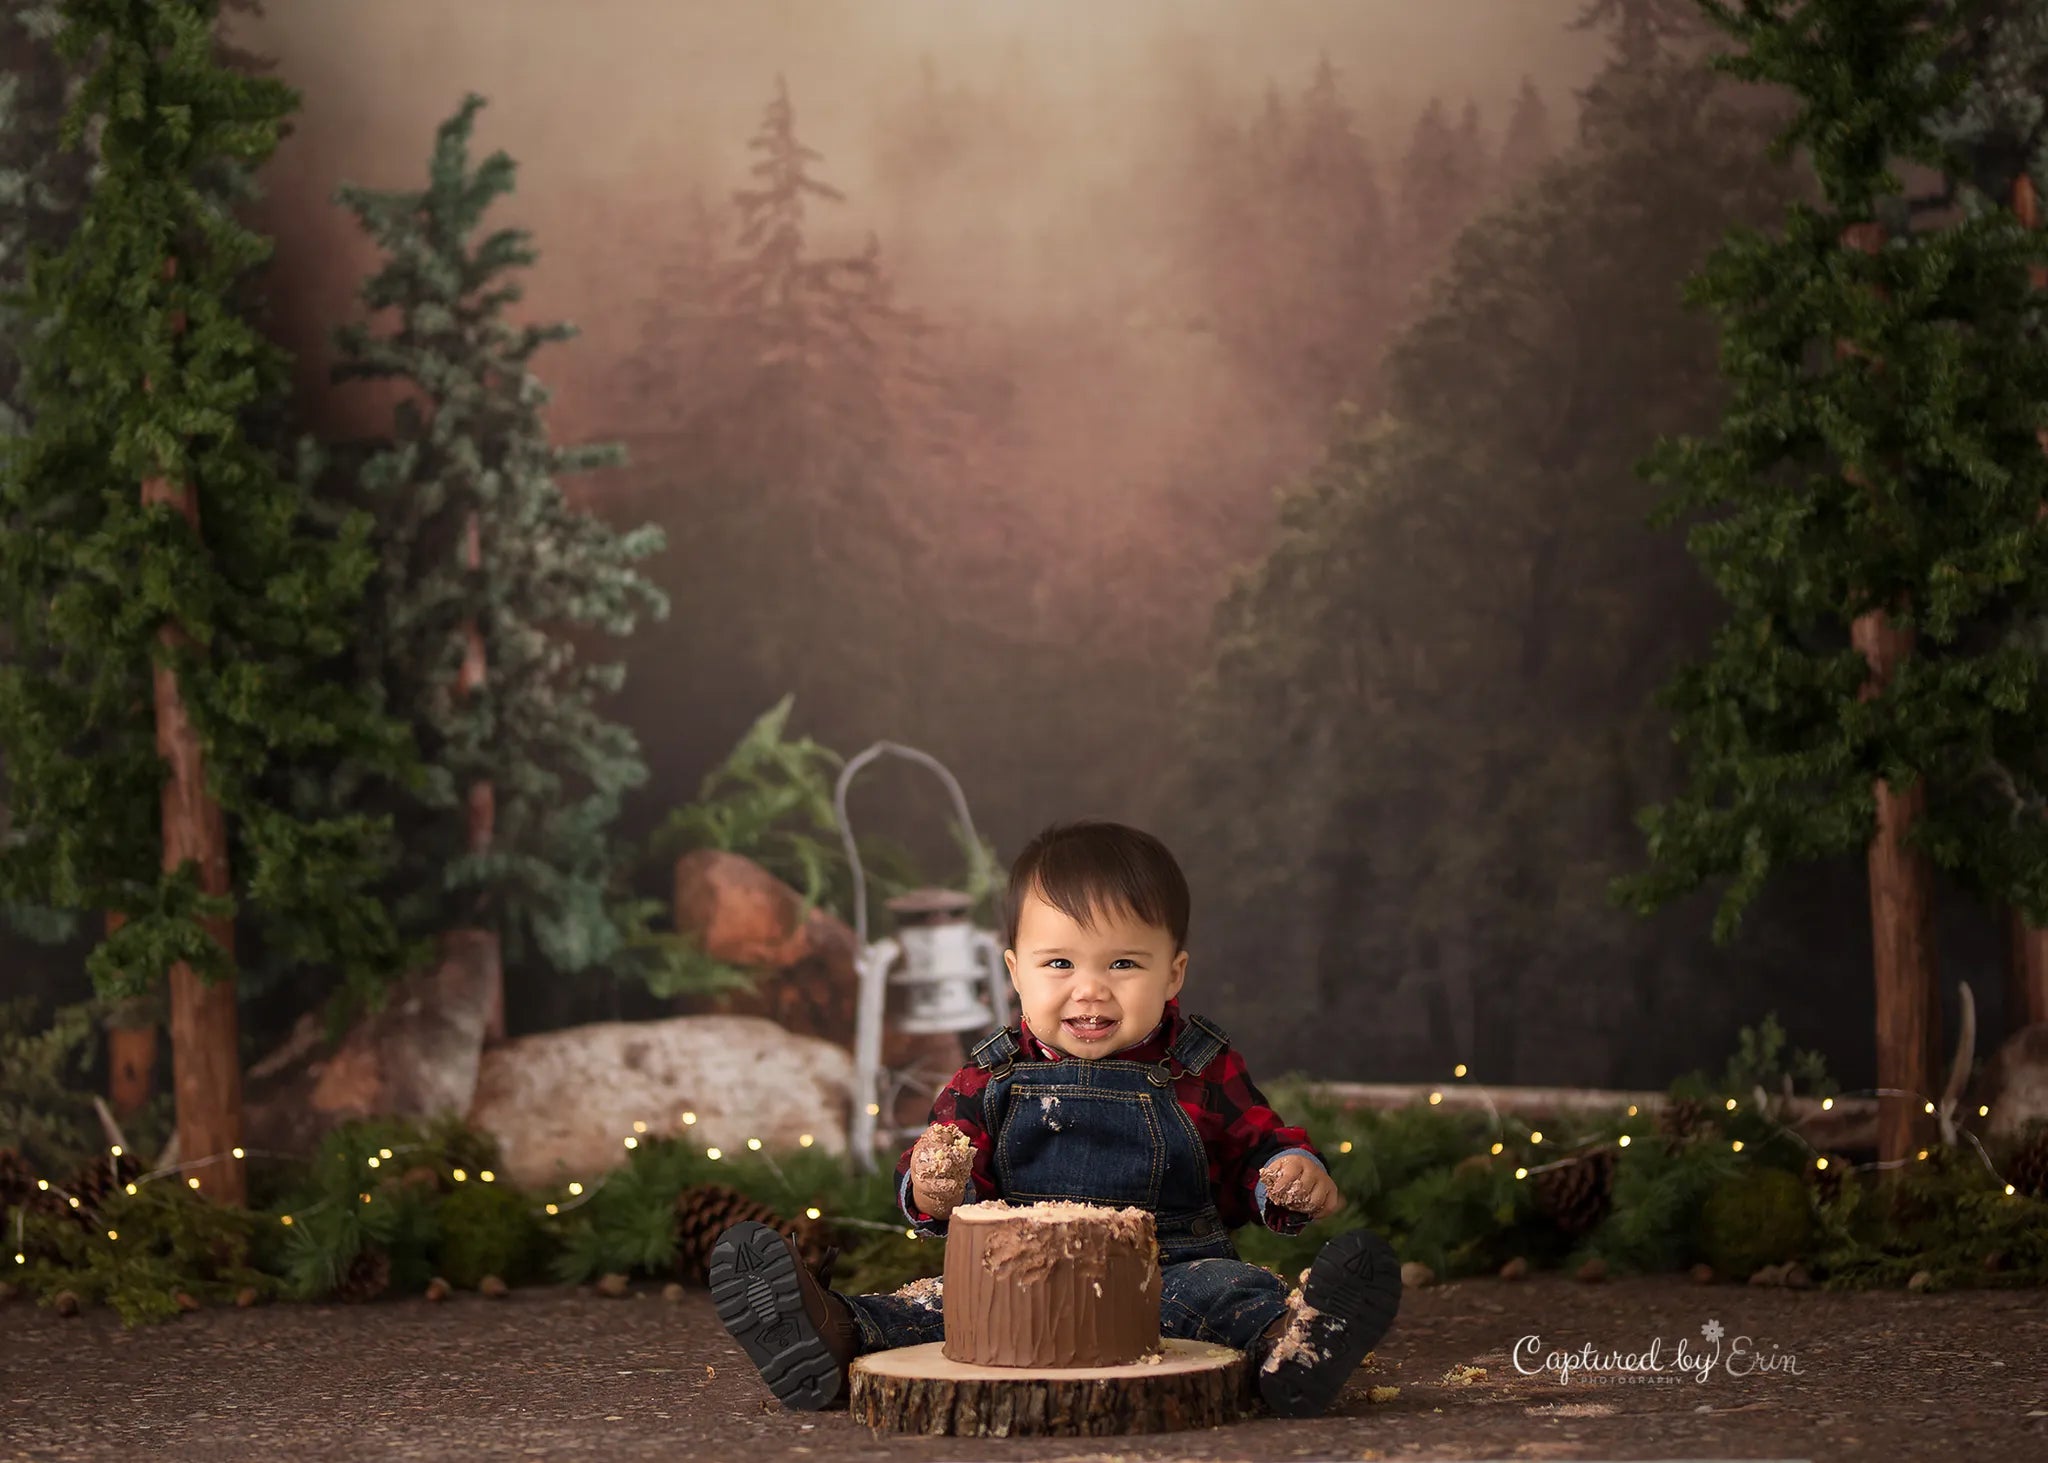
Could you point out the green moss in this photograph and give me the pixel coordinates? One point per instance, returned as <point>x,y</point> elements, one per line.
<point>1756,1217</point>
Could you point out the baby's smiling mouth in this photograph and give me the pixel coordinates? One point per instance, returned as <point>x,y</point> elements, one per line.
<point>1090,1028</point>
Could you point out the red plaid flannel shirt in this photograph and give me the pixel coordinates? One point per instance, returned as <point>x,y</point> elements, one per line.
<point>1239,1131</point>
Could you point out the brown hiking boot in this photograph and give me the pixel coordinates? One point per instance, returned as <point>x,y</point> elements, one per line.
<point>792,1326</point>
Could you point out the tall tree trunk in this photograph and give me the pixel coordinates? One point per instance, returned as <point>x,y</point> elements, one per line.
<point>1901,903</point>
<point>206,1065</point>
<point>483,810</point>
<point>131,1047</point>
<point>2026,986</point>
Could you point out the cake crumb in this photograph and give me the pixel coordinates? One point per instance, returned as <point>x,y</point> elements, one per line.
<point>927,1293</point>
<point>1293,1343</point>
<point>1152,1358</point>
<point>1287,1193</point>
<point>1464,1376</point>
<point>1383,1394</point>
<point>940,1166</point>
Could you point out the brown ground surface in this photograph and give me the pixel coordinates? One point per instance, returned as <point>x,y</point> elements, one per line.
<point>564,1374</point>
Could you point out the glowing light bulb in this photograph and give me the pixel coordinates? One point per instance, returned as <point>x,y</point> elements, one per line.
<point>1631,1109</point>
<point>1731,1104</point>
<point>811,1213</point>
<point>74,1201</point>
<point>755,1144</point>
<point>374,1161</point>
<point>383,1152</point>
<point>874,1109</point>
<point>364,1197</point>
<point>805,1140</point>
<point>115,1150</point>
<point>131,1188</point>
<point>488,1177</point>
<point>1923,1152</point>
<point>2009,1189</point>
<point>689,1119</point>
<point>1435,1098</point>
<point>1345,1146</point>
<point>1536,1137</point>
<point>1521,1173</point>
<point>632,1142</point>
<point>1827,1104</point>
<point>286,1219</point>
<point>638,1126</point>
<point>1498,1146</point>
<point>1459,1070</point>
<point>911,1233</point>
<point>1983,1112</point>
<point>1820,1163</point>
<point>714,1154</point>
<point>20,1259</point>
<point>1736,1145</point>
<point>575,1188</point>
<point>462,1175</point>
<point>239,1153</point>
<point>43,1184</point>
<point>552,1209</point>
<point>1622,1141</point>
<point>111,1234</point>
<point>193,1182</point>
<point>1930,1107</point>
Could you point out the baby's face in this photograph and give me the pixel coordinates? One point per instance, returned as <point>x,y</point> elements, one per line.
<point>1092,990</point>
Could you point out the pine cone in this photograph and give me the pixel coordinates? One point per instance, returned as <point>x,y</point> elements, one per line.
<point>706,1211</point>
<point>366,1277</point>
<point>1681,1120</point>
<point>1575,1197</point>
<point>1826,1183</point>
<point>17,1182</point>
<point>97,1179</point>
<point>2027,1172</point>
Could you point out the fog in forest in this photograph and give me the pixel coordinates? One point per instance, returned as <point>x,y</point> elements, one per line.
<point>1063,488</point>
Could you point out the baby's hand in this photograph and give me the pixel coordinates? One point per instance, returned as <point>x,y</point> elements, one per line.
<point>1297,1182</point>
<point>940,1166</point>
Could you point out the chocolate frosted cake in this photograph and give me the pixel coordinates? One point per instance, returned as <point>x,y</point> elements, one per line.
<point>1051,1285</point>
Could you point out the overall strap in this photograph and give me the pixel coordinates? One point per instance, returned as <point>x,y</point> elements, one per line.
<point>1200,1042</point>
<point>996,1054</point>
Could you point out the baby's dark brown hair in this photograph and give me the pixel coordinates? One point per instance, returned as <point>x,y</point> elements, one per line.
<point>1081,867</point>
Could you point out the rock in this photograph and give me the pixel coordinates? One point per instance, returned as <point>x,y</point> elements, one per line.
<point>672,1292</point>
<point>65,1303</point>
<point>1922,1280</point>
<point>1703,1274</point>
<point>417,1057</point>
<point>1593,1271</point>
<point>248,1296</point>
<point>493,1287</point>
<point>561,1103</point>
<point>186,1301</point>
<point>1771,1274</point>
<point>1415,1275</point>
<point>437,1289</point>
<point>613,1285</point>
<point>2014,1083</point>
<point>806,981</point>
<point>1515,1269</point>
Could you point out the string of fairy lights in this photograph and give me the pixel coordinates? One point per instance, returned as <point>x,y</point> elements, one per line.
<point>575,1193</point>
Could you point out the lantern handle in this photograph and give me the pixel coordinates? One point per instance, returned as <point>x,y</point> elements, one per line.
<point>979,866</point>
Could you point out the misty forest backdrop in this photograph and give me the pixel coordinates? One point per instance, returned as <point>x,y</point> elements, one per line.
<point>1218,418</point>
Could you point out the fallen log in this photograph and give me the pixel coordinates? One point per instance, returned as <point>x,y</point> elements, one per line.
<point>1848,1124</point>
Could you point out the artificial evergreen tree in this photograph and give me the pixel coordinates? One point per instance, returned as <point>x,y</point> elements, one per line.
<point>1873,524</point>
<point>487,579</point>
<point>174,611</point>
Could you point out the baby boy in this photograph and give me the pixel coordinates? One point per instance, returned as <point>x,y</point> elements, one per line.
<point>1162,1115</point>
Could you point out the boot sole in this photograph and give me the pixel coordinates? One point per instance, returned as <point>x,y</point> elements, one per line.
<point>754,1285</point>
<point>1356,1279</point>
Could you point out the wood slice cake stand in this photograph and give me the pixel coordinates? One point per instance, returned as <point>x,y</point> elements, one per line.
<point>917,1389</point>
<point>1052,1328</point>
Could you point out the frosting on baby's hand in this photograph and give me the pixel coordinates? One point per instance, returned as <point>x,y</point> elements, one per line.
<point>940,1166</point>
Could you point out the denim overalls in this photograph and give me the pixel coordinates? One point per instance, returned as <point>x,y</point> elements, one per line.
<point>1105,1131</point>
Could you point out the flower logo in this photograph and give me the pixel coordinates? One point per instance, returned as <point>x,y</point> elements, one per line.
<point>1713,1330</point>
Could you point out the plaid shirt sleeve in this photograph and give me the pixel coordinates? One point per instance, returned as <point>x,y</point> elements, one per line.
<point>958,1103</point>
<point>1251,1136</point>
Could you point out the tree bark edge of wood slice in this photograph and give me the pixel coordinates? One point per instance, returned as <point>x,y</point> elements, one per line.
<point>916,1389</point>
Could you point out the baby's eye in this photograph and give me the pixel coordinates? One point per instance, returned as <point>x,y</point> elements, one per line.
<point>1123,960</point>
<point>1058,960</point>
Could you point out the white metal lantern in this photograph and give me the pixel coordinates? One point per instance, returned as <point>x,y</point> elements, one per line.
<point>950,973</point>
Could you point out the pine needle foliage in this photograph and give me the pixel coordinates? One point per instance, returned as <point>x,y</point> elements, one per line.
<point>144,368</point>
